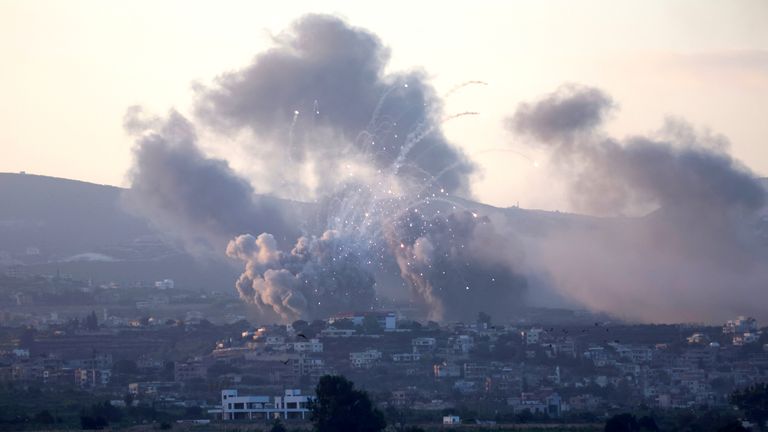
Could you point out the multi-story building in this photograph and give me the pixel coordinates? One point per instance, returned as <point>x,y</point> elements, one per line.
<point>312,345</point>
<point>153,388</point>
<point>461,344</point>
<point>186,371</point>
<point>364,359</point>
<point>740,325</point>
<point>447,370</point>
<point>406,357</point>
<point>423,345</point>
<point>89,378</point>
<point>291,405</point>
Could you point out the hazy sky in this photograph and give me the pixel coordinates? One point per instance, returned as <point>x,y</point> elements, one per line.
<point>70,70</point>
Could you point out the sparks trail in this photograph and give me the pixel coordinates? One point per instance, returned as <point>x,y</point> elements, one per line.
<point>458,87</point>
<point>419,134</point>
<point>291,143</point>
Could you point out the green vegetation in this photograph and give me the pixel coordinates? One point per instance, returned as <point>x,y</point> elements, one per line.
<point>340,407</point>
<point>753,401</point>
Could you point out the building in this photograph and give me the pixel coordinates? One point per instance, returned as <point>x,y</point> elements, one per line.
<point>447,370</point>
<point>306,366</point>
<point>746,338</point>
<point>462,344</point>
<point>451,420</point>
<point>532,336</point>
<point>740,325</point>
<point>406,357</point>
<point>90,378</point>
<point>334,332</point>
<point>364,359</point>
<point>423,345</point>
<point>543,401</point>
<point>164,284</point>
<point>292,405</point>
<point>153,388</point>
<point>312,346</point>
<point>186,371</point>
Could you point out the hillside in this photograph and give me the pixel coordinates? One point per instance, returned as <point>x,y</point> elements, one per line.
<point>84,229</point>
<point>51,224</point>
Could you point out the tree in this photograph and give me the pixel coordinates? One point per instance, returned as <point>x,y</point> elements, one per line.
<point>300,325</point>
<point>125,366</point>
<point>93,423</point>
<point>371,324</point>
<point>622,423</point>
<point>339,407</point>
<point>647,423</point>
<point>91,322</point>
<point>734,426</point>
<point>44,417</point>
<point>27,337</point>
<point>753,400</point>
<point>277,426</point>
<point>483,319</point>
<point>629,423</point>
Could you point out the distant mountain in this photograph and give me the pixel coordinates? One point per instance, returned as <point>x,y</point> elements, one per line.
<point>79,228</point>
<point>62,217</point>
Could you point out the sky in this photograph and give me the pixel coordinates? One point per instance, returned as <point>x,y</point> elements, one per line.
<point>71,69</point>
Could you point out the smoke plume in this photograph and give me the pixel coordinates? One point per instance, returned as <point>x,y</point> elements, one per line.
<point>321,99</point>
<point>319,276</point>
<point>694,253</point>
<point>457,265</point>
<point>198,199</point>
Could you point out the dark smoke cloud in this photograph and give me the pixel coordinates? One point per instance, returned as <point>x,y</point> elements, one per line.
<point>322,95</point>
<point>563,114</point>
<point>610,175</point>
<point>318,277</point>
<point>197,198</point>
<point>457,265</point>
<point>321,101</point>
<point>695,255</point>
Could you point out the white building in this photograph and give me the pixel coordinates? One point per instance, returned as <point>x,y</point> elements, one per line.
<point>292,405</point>
<point>164,284</point>
<point>451,420</point>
